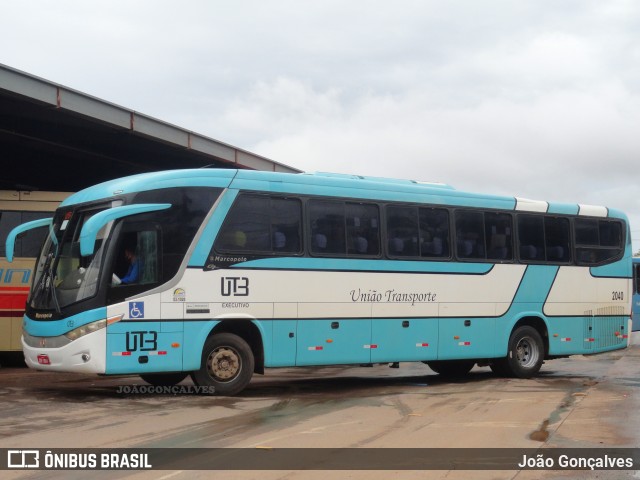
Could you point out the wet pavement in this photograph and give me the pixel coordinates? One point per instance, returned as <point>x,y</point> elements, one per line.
<point>580,402</point>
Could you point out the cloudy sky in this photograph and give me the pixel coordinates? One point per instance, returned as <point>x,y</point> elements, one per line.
<point>534,98</point>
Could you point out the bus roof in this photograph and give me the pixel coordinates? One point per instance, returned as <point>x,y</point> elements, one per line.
<point>327,184</point>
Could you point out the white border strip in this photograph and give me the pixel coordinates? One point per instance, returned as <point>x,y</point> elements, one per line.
<point>527,205</point>
<point>592,210</point>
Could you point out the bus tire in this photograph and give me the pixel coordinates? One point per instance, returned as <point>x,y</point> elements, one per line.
<point>525,354</point>
<point>164,379</point>
<point>227,364</point>
<point>452,368</point>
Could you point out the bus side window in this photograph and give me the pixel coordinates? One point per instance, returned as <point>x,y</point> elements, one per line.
<point>262,224</point>
<point>470,235</point>
<point>598,240</point>
<point>498,228</point>
<point>402,231</point>
<point>557,239</point>
<point>531,244</point>
<point>327,227</point>
<point>363,226</point>
<point>434,232</point>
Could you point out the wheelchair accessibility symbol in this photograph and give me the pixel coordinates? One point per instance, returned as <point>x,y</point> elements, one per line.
<point>136,309</point>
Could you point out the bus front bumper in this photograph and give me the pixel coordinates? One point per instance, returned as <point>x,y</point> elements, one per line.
<point>87,354</point>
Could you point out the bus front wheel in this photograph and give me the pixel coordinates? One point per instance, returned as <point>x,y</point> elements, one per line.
<point>227,364</point>
<point>525,355</point>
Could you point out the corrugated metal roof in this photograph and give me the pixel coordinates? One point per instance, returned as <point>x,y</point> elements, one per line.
<point>41,119</point>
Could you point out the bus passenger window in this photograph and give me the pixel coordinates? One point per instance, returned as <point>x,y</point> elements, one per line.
<point>362,229</point>
<point>327,227</point>
<point>531,244</point>
<point>262,224</point>
<point>557,239</point>
<point>340,228</point>
<point>434,232</point>
<point>598,241</point>
<point>498,228</point>
<point>402,231</point>
<point>470,242</point>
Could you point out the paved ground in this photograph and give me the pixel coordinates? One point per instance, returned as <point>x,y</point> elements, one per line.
<point>578,402</point>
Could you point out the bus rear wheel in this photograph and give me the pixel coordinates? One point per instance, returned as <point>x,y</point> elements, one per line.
<point>452,368</point>
<point>525,354</point>
<point>164,379</point>
<point>227,364</point>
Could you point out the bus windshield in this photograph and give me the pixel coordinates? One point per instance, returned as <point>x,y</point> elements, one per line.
<point>63,276</point>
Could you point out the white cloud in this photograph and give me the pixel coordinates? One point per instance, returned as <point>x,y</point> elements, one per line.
<point>537,98</point>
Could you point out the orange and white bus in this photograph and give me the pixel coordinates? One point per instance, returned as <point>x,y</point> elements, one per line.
<point>17,207</point>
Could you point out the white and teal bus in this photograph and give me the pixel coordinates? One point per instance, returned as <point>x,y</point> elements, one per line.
<point>237,271</point>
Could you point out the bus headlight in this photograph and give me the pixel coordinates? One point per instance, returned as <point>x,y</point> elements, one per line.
<point>86,329</point>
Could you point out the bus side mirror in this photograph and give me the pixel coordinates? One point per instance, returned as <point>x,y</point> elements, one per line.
<point>13,234</point>
<point>93,225</point>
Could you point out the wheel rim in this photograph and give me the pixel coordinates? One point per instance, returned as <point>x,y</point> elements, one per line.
<point>224,364</point>
<point>527,352</point>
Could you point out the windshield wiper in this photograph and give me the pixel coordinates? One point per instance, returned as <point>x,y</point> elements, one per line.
<point>45,286</point>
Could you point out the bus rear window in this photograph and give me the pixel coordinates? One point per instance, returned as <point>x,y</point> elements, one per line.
<point>598,241</point>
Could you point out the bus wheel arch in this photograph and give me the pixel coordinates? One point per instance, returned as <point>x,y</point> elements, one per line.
<point>527,348</point>
<point>227,364</point>
<point>250,333</point>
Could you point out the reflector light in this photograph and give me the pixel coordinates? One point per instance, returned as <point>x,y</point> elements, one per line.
<point>589,339</point>
<point>315,348</point>
<point>114,319</point>
<point>371,346</point>
<point>464,344</point>
<point>568,339</point>
<point>422,344</point>
<point>44,360</point>
<point>121,354</point>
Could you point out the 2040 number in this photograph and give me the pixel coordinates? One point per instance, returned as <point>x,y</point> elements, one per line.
<point>617,296</point>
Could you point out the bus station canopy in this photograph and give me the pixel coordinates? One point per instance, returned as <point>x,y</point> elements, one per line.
<point>56,138</point>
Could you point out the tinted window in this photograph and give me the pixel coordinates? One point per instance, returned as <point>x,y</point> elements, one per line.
<point>470,241</point>
<point>363,225</point>
<point>262,224</point>
<point>402,231</point>
<point>598,241</point>
<point>344,228</point>
<point>27,244</point>
<point>498,230</point>
<point>557,239</point>
<point>531,242</point>
<point>418,232</point>
<point>434,233</point>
